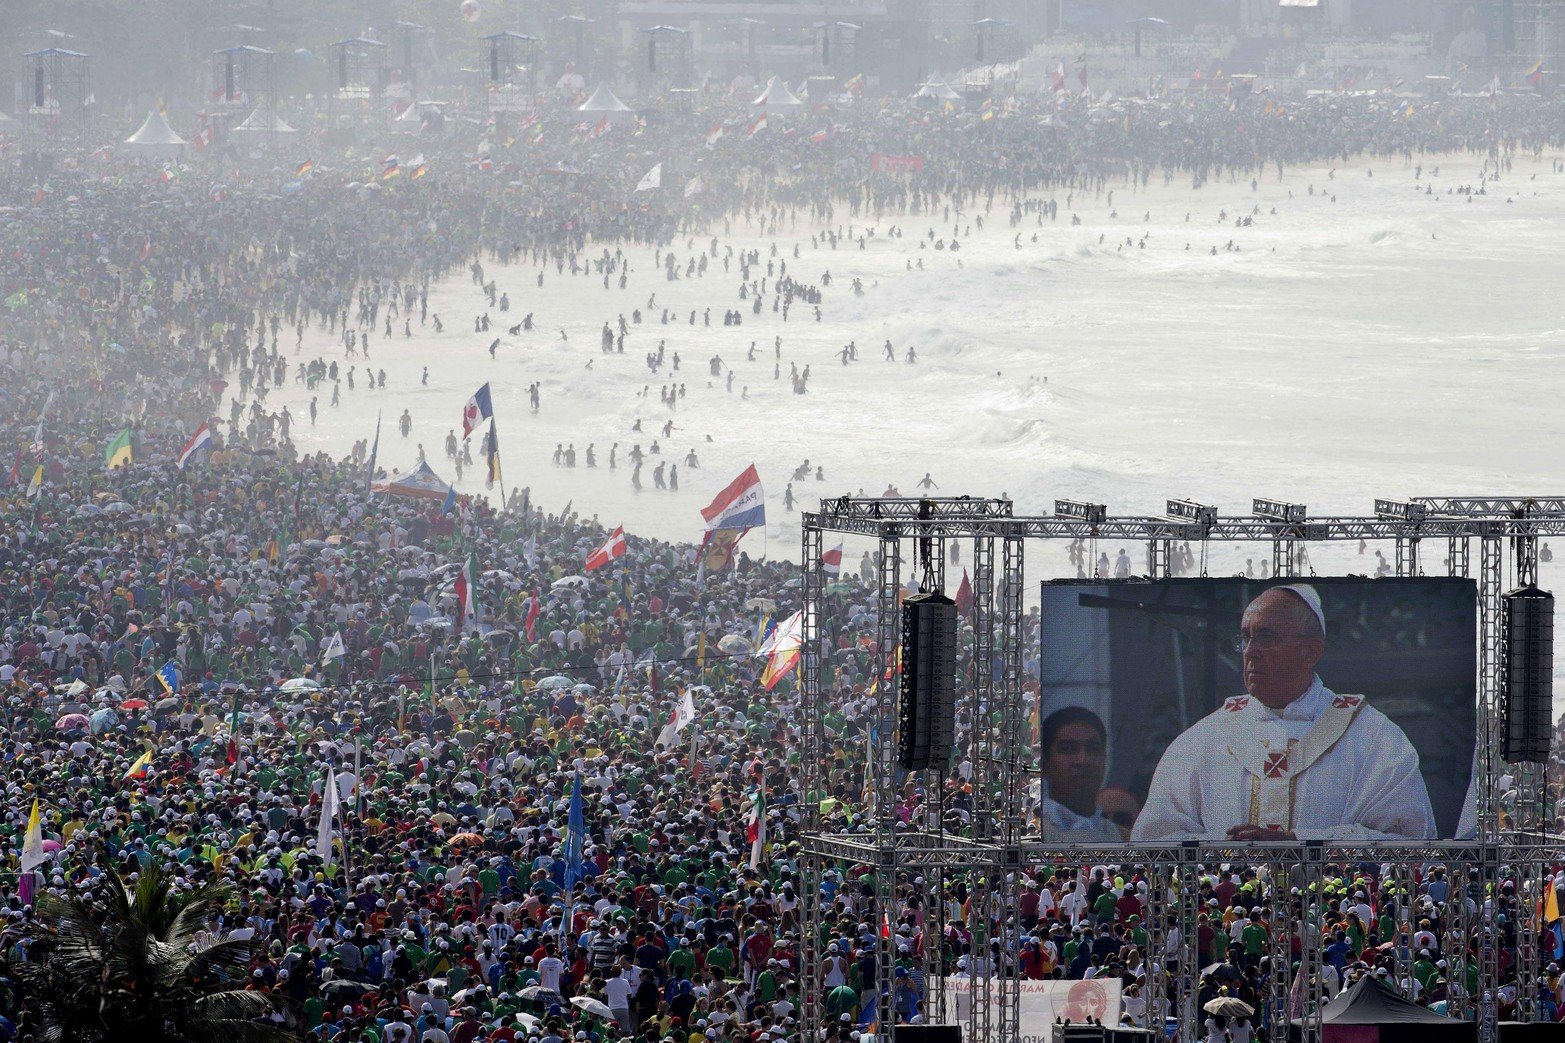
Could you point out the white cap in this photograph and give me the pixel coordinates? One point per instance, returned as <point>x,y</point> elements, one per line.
<point>1306,593</point>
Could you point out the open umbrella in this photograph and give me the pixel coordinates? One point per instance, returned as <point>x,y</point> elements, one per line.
<point>554,681</point>
<point>299,684</point>
<point>529,1022</point>
<point>735,644</point>
<point>1222,970</point>
<point>466,838</point>
<point>761,605</point>
<point>71,720</point>
<point>597,1008</point>
<point>568,581</point>
<point>134,704</point>
<point>538,994</point>
<point>1228,1007</point>
<point>344,988</point>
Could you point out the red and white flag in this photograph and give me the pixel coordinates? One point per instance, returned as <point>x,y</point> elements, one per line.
<point>1059,77</point>
<point>534,608</point>
<point>831,561</point>
<point>463,589</point>
<point>680,718</point>
<point>757,126</point>
<point>614,548</point>
<point>714,135</point>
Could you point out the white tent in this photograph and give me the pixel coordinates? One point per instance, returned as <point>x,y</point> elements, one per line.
<point>262,122</point>
<point>777,98</point>
<point>156,139</point>
<point>938,91</point>
<point>604,105</point>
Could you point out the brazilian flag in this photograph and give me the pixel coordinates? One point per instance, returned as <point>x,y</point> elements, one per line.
<point>118,452</point>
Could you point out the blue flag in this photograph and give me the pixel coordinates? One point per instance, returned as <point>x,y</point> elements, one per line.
<point>168,676</point>
<point>450,504</point>
<point>575,838</point>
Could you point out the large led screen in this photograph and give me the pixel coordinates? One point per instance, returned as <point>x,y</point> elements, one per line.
<point>1230,710</point>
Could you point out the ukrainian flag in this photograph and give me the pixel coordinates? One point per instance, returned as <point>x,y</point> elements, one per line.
<point>118,452</point>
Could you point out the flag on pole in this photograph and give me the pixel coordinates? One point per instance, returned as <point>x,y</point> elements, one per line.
<point>757,126</point>
<point>1058,77</point>
<point>327,826</point>
<point>478,409</point>
<point>304,168</point>
<point>202,439</point>
<point>533,611</point>
<point>614,548</point>
<point>35,486</point>
<point>740,505</point>
<point>138,768</point>
<point>694,186</point>
<point>463,589</point>
<point>714,135</point>
<point>831,561</point>
<point>755,832</point>
<point>33,854</point>
<point>118,451</point>
<point>964,595</point>
<point>492,453</point>
<point>369,478</point>
<point>652,179</point>
<point>168,677</point>
<point>575,837</point>
<point>679,719</point>
<point>334,649</point>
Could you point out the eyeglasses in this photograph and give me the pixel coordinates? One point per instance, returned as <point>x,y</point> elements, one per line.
<point>1264,639</point>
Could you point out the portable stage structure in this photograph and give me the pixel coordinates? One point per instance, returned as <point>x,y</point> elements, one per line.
<point>358,80</point>
<point>61,107</point>
<point>1505,532</point>
<point>512,63</point>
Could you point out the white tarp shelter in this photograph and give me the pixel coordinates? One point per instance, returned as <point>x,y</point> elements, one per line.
<point>262,122</point>
<point>155,139</point>
<point>604,105</point>
<point>777,99</point>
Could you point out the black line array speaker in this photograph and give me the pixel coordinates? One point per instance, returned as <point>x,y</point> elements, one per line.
<point>929,1033</point>
<point>38,88</point>
<point>928,696</point>
<point>1529,674</point>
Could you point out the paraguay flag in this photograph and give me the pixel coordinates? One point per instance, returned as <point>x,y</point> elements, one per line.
<point>202,439</point>
<point>741,504</point>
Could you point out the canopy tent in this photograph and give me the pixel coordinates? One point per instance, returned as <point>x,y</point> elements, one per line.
<point>777,98</point>
<point>938,92</point>
<point>420,483</point>
<point>1372,1012</point>
<point>262,121</point>
<point>604,105</point>
<point>155,138</point>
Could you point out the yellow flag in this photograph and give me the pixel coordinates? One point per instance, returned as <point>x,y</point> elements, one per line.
<point>1551,905</point>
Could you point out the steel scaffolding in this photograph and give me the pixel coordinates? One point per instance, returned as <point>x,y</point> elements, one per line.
<point>991,711</point>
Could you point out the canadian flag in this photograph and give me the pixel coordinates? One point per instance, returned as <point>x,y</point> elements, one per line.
<point>614,548</point>
<point>831,561</point>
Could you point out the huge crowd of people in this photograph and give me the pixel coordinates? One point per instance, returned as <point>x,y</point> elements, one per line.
<point>188,653</point>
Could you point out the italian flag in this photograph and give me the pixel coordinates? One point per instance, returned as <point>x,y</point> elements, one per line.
<point>755,832</point>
